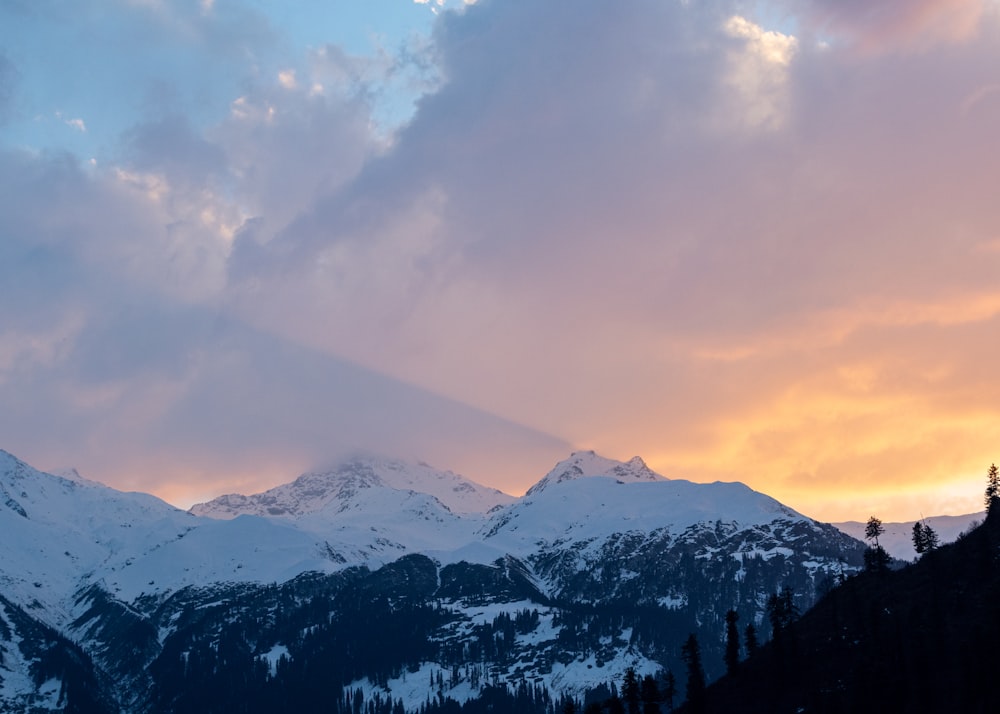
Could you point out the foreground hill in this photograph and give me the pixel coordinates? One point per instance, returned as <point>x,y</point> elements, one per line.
<point>925,638</point>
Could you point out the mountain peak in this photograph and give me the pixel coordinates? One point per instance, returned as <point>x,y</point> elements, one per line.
<point>317,490</point>
<point>586,464</point>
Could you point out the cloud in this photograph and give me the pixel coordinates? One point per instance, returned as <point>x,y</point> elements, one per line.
<point>759,74</point>
<point>592,220</point>
<point>115,336</point>
<point>672,230</point>
<point>899,24</point>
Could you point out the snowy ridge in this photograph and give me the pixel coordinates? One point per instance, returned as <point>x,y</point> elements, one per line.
<point>597,507</point>
<point>590,498</point>
<point>336,488</point>
<point>61,535</point>
<point>67,534</point>
<point>373,510</point>
<point>580,534</point>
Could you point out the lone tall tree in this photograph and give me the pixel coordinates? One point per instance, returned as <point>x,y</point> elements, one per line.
<point>873,530</point>
<point>691,654</point>
<point>732,641</point>
<point>925,538</point>
<point>876,559</point>
<point>992,494</point>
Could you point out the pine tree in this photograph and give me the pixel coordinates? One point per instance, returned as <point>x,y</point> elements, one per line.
<point>649,692</point>
<point>931,540</point>
<point>630,690</point>
<point>992,494</point>
<point>732,641</point>
<point>691,654</point>
<point>873,529</point>
<point>925,539</point>
<point>876,558</point>
<point>669,690</point>
<point>781,611</point>
<point>919,544</point>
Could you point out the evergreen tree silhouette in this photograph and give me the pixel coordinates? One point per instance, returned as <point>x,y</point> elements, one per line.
<point>630,690</point>
<point>732,641</point>
<point>691,654</point>
<point>876,558</point>
<point>873,529</point>
<point>992,494</point>
<point>649,693</point>
<point>669,690</point>
<point>781,611</point>
<point>925,539</point>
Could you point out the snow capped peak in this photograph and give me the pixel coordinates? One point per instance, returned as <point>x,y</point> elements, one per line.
<point>586,464</point>
<point>338,487</point>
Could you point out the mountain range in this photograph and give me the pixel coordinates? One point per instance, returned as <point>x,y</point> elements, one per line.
<point>109,597</point>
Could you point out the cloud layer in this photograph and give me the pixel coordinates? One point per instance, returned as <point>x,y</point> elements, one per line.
<point>754,242</point>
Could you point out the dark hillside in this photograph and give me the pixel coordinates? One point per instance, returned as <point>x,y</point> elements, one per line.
<point>922,639</point>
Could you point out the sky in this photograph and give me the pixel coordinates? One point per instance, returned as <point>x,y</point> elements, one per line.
<point>745,240</point>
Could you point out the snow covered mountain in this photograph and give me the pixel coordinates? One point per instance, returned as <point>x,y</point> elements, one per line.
<point>63,534</point>
<point>142,587</point>
<point>588,496</point>
<point>594,529</point>
<point>372,510</point>
<point>59,531</point>
<point>334,490</point>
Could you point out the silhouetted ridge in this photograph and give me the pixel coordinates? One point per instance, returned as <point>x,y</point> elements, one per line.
<point>921,639</point>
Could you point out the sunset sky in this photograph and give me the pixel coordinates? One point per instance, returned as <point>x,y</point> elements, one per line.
<point>754,241</point>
